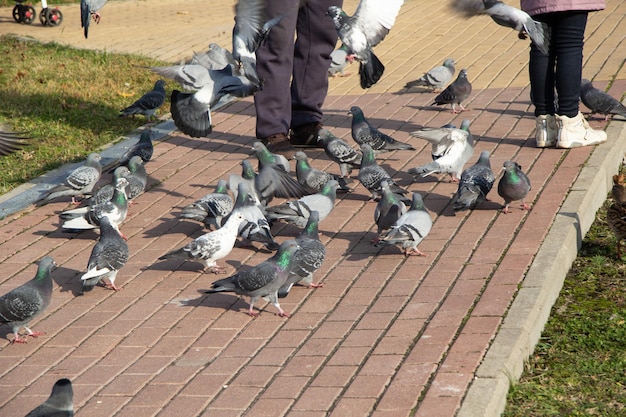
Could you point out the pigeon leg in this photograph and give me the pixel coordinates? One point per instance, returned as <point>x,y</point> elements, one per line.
<point>414,252</point>
<point>215,269</point>
<point>525,206</point>
<point>505,210</point>
<point>20,339</point>
<point>251,311</point>
<point>454,178</point>
<point>281,312</point>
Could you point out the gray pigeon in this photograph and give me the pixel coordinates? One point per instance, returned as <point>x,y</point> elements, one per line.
<point>211,208</point>
<point>371,175</point>
<point>192,111</point>
<point>411,228</point>
<point>314,178</point>
<point>388,209</point>
<point>263,280</point>
<point>451,149</point>
<point>476,182</point>
<point>138,177</point>
<point>59,404</point>
<point>369,25</point>
<point>79,182</point>
<point>212,246</point>
<point>507,16</point>
<point>297,212</point>
<point>256,228</point>
<point>339,60</point>
<point>11,142</point>
<point>142,148</point>
<point>248,176</point>
<point>216,58</point>
<point>513,186</point>
<point>340,152</point>
<point>89,9</point>
<point>265,157</point>
<point>364,132</point>
<point>455,93</point>
<point>600,102</point>
<point>107,257</point>
<point>437,78</point>
<point>24,303</point>
<point>147,104</point>
<point>308,258</point>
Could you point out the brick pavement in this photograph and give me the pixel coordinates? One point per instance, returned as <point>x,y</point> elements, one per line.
<point>387,335</point>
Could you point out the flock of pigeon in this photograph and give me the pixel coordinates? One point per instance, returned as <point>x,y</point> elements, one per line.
<point>241,205</point>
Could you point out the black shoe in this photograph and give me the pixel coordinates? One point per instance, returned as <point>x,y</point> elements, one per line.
<point>279,143</point>
<point>305,136</point>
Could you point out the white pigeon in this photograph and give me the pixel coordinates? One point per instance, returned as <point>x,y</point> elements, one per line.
<point>298,211</point>
<point>451,149</point>
<point>411,228</point>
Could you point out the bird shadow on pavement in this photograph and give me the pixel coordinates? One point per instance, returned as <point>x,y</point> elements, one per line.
<point>68,280</point>
<point>175,225</point>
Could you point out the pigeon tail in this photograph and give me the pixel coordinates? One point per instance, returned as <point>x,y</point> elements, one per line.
<point>371,71</point>
<point>190,116</point>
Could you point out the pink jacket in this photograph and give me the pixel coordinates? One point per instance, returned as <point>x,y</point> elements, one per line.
<point>533,7</point>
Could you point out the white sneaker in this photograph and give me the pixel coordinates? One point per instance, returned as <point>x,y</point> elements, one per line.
<point>546,131</point>
<point>575,131</point>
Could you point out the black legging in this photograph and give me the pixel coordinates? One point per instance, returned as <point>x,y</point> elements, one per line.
<point>562,68</point>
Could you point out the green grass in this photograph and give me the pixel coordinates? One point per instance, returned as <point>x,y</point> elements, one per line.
<point>579,365</point>
<point>68,100</point>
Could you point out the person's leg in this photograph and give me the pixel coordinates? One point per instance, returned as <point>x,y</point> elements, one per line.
<point>316,39</point>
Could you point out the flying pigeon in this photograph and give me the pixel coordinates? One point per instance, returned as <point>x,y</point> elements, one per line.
<point>89,9</point>
<point>216,58</point>
<point>212,246</point>
<point>256,228</point>
<point>364,30</point>
<point>388,209</point>
<point>308,258</point>
<point>107,257</point>
<point>79,182</point>
<point>411,228</point>
<point>11,142</point>
<point>476,182</point>
<point>514,185</point>
<point>600,102</point>
<point>147,104</point>
<point>142,148</point>
<point>248,176</point>
<point>59,404</point>
<point>455,93</point>
<point>24,303</point>
<point>211,208</point>
<point>250,30</point>
<point>364,132</point>
<point>263,280</point>
<point>507,16</point>
<point>451,149</point>
<point>192,111</point>
<point>297,212</point>
<point>371,175</point>
<point>339,60</point>
<point>340,152</point>
<point>314,178</point>
<point>265,157</point>
<point>616,213</point>
<point>437,78</point>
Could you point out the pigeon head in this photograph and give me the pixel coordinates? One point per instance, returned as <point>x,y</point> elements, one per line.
<point>417,203</point>
<point>46,264</point>
<point>300,156</point>
<point>356,111</point>
<point>247,171</point>
<point>449,63</point>
<point>465,125</point>
<point>463,73</point>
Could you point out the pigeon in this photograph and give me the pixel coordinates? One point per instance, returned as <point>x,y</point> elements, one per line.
<point>147,104</point>
<point>314,178</point>
<point>115,210</point>
<point>21,305</point>
<point>364,30</point>
<point>248,176</point>
<point>411,228</point>
<point>250,30</point>
<point>476,182</point>
<point>256,228</point>
<point>263,280</point>
<point>388,209</point>
<point>137,178</point>
<point>89,9</point>
<point>437,78</point>
<point>371,175</point>
<point>79,182</point>
<point>265,157</point>
<point>364,132</point>
<point>513,186</point>
<point>11,142</point>
<point>212,246</point>
<point>600,102</point>
<point>101,195</point>
<point>507,16</point>
<point>308,258</point>
<point>340,152</point>
<point>59,404</point>
<point>339,60</point>
<point>142,148</point>
<point>451,149</point>
<point>616,213</point>
<point>297,212</point>
<point>455,93</point>
<point>192,111</point>
<point>216,58</point>
<point>211,208</point>
<point>107,257</point>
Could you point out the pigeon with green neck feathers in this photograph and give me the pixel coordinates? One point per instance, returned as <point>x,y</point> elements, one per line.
<point>211,208</point>
<point>411,228</point>
<point>340,152</point>
<point>513,186</point>
<point>255,227</point>
<point>388,210</point>
<point>371,175</point>
<point>314,178</point>
<point>297,212</point>
<point>364,133</point>
<point>60,403</point>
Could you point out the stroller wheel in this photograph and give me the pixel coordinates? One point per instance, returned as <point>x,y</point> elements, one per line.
<point>16,13</point>
<point>43,17</point>
<point>54,17</point>
<point>28,14</point>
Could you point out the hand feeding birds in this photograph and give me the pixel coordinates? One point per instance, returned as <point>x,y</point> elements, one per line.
<point>89,9</point>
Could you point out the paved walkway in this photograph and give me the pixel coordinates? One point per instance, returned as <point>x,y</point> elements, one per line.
<point>387,335</point>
